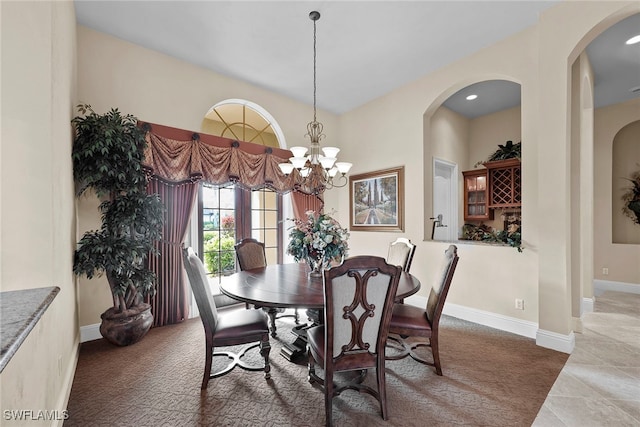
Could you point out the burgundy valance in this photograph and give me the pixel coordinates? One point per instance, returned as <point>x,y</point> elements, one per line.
<point>177,155</point>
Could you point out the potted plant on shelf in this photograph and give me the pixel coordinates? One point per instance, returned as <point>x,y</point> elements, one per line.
<point>107,154</point>
<point>507,151</point>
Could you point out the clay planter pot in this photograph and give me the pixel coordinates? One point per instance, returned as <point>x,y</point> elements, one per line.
<point>126,327</point>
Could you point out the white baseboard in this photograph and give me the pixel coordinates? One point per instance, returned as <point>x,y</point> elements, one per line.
<point>497,321</point>
<point>547,339</point>
<point>600,286</point>
<point>90,332</point>
<point>556,341</point>
<point>587,305</point>
<point>63,399</point>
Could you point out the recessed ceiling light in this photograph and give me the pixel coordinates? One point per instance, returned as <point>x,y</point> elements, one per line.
<point>471,97</point>
<point>633,40</point>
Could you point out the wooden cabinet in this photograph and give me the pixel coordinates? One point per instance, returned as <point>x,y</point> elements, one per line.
<point>476,197</point>
<point>505,188</point>
<point>497,186</point>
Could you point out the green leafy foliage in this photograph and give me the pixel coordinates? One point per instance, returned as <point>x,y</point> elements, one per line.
<point>107,157</point>
<point>507,151</point>
<point>631,198</point>
<point>487,234</point>
<point>108,151</point>
<point>219,254</point>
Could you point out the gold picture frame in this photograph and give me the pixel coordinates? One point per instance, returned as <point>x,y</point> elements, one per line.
<point>376,200</point>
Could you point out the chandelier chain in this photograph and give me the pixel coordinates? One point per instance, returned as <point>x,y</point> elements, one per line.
<point>314,70</point>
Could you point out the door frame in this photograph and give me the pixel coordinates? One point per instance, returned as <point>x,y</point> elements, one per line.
<point>452,226</point>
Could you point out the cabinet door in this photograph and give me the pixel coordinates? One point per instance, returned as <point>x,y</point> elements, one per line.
<point>505,183</point>
<point>475,195</point>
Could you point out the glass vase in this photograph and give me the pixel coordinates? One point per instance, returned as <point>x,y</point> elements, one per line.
<point>317,266</point>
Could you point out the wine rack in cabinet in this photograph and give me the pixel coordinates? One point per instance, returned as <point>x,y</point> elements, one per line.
<point>505,184</point>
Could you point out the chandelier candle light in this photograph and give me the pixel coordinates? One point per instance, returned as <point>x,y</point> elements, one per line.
<point>316,172</point>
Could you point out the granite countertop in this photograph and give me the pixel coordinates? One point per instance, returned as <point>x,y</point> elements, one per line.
<point>19,313</point>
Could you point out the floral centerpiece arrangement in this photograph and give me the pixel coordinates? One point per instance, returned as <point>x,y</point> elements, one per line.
<point>318,240</point>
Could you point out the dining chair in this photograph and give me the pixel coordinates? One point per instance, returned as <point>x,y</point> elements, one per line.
<point>227,327</point>
<point>251,254</point>
<point>358,296</point>
<point>411,321</point>
<point>401,253</point>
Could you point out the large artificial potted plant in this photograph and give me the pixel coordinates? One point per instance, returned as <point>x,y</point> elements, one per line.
<point>108,151</point>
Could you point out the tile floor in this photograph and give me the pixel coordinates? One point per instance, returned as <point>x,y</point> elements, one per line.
<point>600,383</point>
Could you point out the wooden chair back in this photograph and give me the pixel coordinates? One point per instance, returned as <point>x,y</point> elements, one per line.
<point>250,254</point>
<point>359,296</point>
<point>440,289</point>
<point>401,253</point>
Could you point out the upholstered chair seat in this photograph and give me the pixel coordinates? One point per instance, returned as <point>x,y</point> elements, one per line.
<point>228,327</point>
<point>411,321</point>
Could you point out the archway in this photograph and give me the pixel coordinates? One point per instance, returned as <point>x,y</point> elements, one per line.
<point>463,128</point>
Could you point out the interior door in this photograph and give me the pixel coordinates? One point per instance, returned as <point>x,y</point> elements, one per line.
<point>444,221</point>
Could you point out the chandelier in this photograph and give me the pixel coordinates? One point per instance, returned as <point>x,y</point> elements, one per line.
<point>316,171</point>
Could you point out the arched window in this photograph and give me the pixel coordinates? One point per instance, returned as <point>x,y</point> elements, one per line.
<point>226,215</point>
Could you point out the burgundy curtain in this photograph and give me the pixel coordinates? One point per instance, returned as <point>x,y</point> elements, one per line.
<point>171,303</point>
<point>303,202</point>
<point>176,160</point>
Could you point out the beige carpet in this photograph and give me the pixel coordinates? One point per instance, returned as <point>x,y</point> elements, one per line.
<point>491,378</point>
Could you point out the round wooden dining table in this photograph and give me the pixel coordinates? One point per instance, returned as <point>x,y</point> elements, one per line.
<point>289,286</point>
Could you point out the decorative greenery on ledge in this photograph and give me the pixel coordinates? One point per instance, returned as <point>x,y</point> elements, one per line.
<point>631,198</point>
<point>507,151</point>
<point>485,233</point>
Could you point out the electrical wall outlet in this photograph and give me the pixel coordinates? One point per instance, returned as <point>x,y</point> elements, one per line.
<point>519,304</point>
<point>605,271</point>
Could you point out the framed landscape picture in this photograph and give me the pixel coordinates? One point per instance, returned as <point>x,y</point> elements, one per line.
<point>376,200</point>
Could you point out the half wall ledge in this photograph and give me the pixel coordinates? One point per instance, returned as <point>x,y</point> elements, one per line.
<point>19,313</point>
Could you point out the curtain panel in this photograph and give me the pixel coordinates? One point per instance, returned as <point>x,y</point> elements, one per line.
<point>171,302</point>
<point>176,160</point>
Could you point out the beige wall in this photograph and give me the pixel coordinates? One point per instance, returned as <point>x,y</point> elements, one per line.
<point>37,213</point>
<point>397,129</point>
<point>160,89</point>
<point>489,278</point>
<point>487,132</point>
<point>622,260</point>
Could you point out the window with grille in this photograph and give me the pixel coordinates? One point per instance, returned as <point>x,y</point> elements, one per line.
<point>230,214</point>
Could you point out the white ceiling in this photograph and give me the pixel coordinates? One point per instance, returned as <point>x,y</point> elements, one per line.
<point>365,49</point>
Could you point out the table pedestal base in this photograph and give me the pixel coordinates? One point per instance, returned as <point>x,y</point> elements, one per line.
<point>296,350</point>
